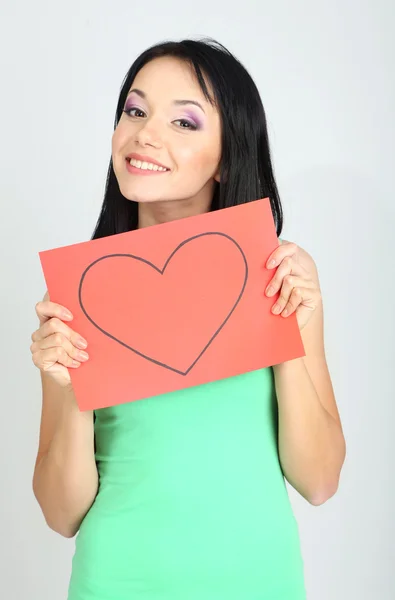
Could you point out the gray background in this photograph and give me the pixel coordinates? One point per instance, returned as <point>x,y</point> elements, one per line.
<point>326,74</point>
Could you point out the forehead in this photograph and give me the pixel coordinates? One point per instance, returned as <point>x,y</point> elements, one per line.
<point>169,77</point>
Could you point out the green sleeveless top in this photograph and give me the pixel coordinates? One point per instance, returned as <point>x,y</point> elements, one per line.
<point>192,502</point>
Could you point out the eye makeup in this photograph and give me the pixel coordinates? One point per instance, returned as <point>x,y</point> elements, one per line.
<point>195,121</point>
<point>129,104</point>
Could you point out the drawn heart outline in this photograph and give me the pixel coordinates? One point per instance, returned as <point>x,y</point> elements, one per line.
<point>162,272</point>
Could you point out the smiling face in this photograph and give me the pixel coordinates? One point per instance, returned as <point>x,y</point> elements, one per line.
<point>167,120</point>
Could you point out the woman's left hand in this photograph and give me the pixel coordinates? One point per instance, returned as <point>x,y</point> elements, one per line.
<point>296,279</point>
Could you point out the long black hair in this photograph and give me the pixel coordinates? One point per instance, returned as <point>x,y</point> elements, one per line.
<point>246,171</point>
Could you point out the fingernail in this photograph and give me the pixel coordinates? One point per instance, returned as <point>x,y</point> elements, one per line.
<point>67,314</point>
<point>83,355</point>
<point>269,290</point>
<point>81,343</point>
<point>276,309</point>
<point>271,263</point>
<point>285,312</point>
<point>75,363</point>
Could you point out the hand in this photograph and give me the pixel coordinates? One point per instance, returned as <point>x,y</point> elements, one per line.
<point>297,280</point>
<point>55,345</point>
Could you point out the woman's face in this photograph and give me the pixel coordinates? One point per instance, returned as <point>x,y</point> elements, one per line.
<point>161,123</point>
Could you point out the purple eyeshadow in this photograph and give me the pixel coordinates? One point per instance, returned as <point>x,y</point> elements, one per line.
<point>194,118</point>
<point>130,103</point>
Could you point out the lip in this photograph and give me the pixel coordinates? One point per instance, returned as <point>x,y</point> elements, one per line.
<point>145,158</point>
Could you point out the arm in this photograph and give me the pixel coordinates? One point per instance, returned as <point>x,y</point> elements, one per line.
<point>312,447</point>
<point>65,480</point>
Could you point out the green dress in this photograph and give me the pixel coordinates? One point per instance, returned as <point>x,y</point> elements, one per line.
<point>192,502</point>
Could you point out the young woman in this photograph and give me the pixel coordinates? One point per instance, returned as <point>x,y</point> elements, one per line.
<point>182,496</point>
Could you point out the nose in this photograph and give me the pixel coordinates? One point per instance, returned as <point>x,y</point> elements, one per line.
<point>149,135</point>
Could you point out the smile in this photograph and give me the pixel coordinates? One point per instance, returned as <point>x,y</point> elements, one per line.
<point>138,165</point>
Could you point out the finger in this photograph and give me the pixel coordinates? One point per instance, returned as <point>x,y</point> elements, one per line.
<point>290,282</point>
<point>282,251</point>
<point>283,270</point>
<point>58,339</point>
<point>45,359</point>
<point>299,296</point>
<point>45,309</point>
<point>54,325</point>
<point>287,267</point>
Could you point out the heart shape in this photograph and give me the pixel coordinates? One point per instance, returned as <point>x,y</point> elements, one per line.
<point>182,307</point>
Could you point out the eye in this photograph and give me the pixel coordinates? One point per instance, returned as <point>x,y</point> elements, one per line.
<point>189,124</point>
<point>184,123</point>
<point>129,110</point>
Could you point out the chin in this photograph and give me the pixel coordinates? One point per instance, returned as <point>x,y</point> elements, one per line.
<point>140,197</point>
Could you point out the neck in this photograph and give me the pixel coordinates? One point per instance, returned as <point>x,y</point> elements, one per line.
<point>154,213</point>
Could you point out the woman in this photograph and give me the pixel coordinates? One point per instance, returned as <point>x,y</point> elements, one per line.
<point>182,496</point>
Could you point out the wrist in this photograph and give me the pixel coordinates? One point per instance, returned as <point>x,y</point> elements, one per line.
<point>290,366</point>
<point>70,408</point>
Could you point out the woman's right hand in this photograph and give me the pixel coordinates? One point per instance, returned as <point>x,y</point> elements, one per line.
<point>55,346</point>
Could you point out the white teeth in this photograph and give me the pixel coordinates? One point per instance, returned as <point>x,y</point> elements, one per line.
<point>145,166</point>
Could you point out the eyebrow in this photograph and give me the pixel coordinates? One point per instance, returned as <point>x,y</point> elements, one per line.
<point>177,102</point>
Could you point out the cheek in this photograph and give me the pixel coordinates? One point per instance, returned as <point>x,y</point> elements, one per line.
<point>119,147</point>
<point>118,139</point>
<point>199,159</point>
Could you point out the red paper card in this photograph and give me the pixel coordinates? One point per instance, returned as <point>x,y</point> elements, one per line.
<point>173,305</point>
